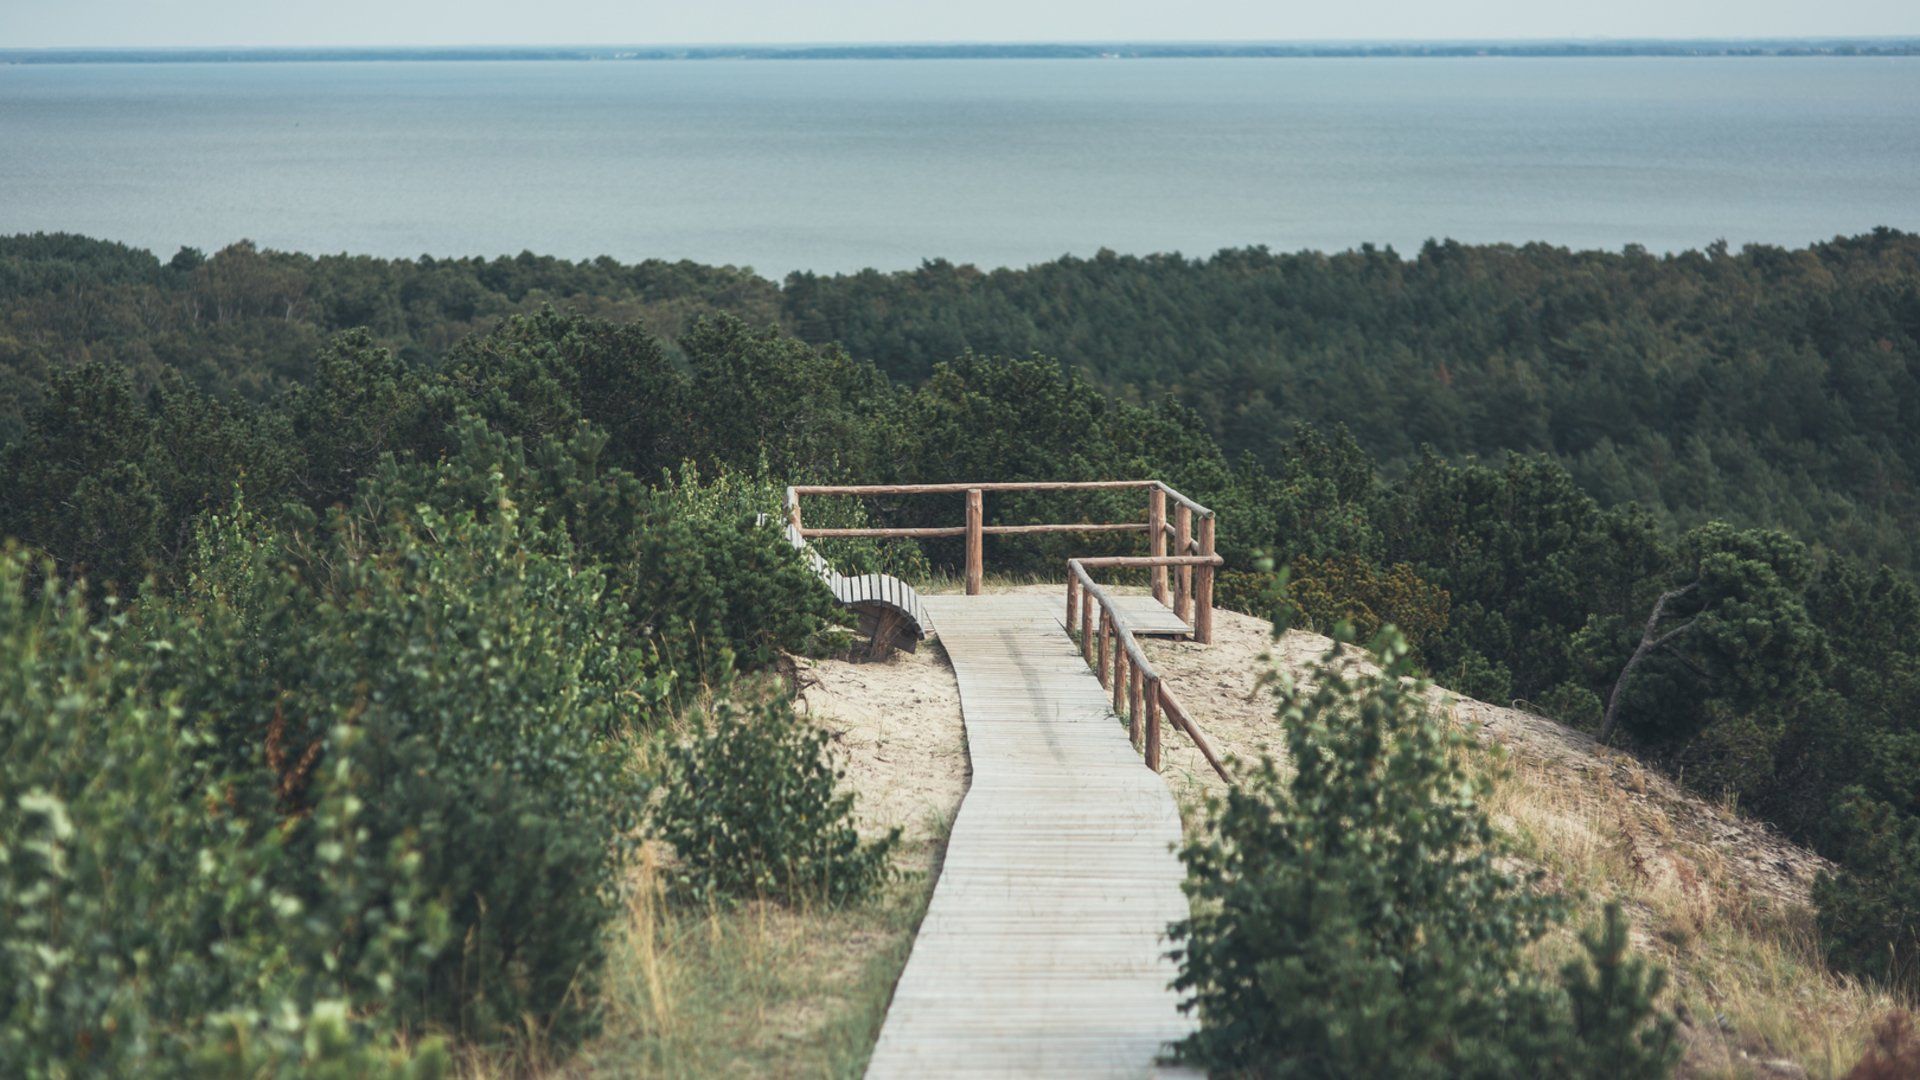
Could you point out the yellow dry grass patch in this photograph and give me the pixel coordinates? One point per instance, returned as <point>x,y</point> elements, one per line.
<point>1739,945</point>
<point>1720,901</point>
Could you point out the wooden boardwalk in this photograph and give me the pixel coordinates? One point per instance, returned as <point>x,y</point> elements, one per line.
<point>1043,950</point>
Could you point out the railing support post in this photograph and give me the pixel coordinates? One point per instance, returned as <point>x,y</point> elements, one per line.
<point>1153,723</point>
<point>1203,586</point>
<point>1183,575</point>
<point>1073,598</point>
<point>976,554</point>
<point>1106,643</point>
<point>1157,537</point>
<point>1136,706</point>
<point>1086,625</point>
<point>1121,662</point>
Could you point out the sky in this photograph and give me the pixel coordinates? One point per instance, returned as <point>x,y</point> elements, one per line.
<point>152,23</point>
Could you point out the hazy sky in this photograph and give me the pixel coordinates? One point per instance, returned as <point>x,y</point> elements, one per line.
<point>412,22</point>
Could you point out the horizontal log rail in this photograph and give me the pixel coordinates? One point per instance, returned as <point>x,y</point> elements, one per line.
<point>1118,660</point>
<point>1181,579</point>
<point>1183,582</point>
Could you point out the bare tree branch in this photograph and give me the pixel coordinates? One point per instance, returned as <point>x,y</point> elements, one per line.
<point>1650,639</point>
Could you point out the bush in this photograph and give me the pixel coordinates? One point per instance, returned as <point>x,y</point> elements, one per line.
<point>752,811</point>
<point>1869,910</point>
<point>1352,589</point>
<point>1355,917</point>
<point>1894,1053</point>
<point>1242,590</point>
<point>1612,994</point>
<point>143,928</point>
<point>481,681</point>
<point>1573,705</point>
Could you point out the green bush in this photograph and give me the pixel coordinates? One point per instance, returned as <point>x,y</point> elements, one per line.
<point>1352,589</point>
<point>144,926</point>
<point>484,683</point>
<point>1611,993</point>
<point>1869,909</point>
<point>1355,917</point>
<point>1573,705</point>
<point>752,811</point>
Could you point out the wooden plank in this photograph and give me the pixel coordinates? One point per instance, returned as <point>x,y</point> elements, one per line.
<point>936,489</point>
<point>1043,949</point>
<point>875,590</point>
<point>1150,617</point>
<point>935,531</point>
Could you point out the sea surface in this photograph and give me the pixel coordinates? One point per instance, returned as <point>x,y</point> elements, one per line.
<point>838,165</point>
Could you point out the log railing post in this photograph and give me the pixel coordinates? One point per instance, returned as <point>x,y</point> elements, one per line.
<point>1157,537</point>
<point>976,554</point>
<point>1153,723</point>
<point>1203,586</point>
<point>1073,598</point>
<point>1121,661</point>
<point>1183,575</point>
<point>1106,643</point>
<point>1086,625</point>
<point>1136,706</point>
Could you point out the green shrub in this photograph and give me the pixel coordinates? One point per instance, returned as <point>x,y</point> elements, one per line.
<point>1352,589</point>
<point>1249,592</point>
<point>483,681</point>
<point>1573,705</point>
<point>1869,910</point>
<point>1355,916</point>
<point>752,811</point>
<point>1612,993</point>
<point>144,930</point>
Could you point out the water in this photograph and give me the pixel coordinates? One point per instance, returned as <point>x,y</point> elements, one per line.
<point>839,165</point>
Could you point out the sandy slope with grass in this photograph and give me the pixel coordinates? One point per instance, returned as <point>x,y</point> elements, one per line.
<point>764,991</point>
<point>1719,899</point>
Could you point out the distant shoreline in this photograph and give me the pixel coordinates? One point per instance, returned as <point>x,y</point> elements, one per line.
<point>1796,47</point>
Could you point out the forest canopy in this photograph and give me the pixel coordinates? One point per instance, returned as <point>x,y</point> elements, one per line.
<point>1765,386</point>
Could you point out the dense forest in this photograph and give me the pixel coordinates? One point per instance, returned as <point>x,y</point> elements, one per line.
<point>1666,499</point>
<point>1764,387</point>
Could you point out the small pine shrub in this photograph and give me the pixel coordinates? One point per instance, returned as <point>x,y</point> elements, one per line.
<point>1616,1031</point>
<point>1869,910</point>
<point>1356,917</point>
<point>1573,705</point>
<point>1352,589</point>
<point>752,809</point>
<point>1250,592</point>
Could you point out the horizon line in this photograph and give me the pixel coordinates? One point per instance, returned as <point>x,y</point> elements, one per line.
<point>1077,43</point>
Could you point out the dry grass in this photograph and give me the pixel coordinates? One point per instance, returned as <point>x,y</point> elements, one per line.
<point>759,990</point>
<point>1746,978</point>
<point>1719,900</point>
<point>762,991</point>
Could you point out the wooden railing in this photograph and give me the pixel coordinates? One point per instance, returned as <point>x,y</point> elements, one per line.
<point>1188,590</point>
<point>1114,653</point>
<point>1182,580</point>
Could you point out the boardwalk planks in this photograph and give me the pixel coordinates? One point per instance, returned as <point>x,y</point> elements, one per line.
<point>1043,950</point>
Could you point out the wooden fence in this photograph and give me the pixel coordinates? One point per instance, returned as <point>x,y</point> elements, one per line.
<point>1187,590</point>
<point>1114,653</point>
<point>1181,579</point>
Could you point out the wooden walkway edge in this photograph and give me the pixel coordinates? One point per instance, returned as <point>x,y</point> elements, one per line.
<point>1043,952</point>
